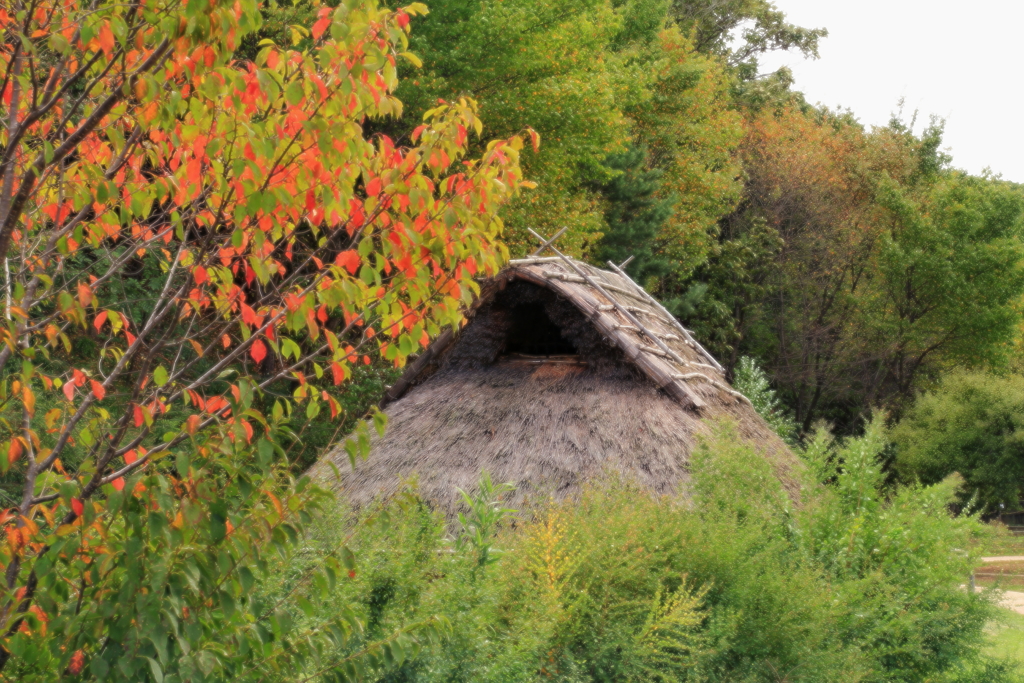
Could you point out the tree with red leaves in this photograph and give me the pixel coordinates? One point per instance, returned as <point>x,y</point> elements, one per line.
<point>181,231</point>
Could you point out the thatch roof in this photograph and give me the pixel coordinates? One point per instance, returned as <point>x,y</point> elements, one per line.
<point>560,371</point>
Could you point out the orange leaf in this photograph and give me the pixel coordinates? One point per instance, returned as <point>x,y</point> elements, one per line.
<point>276,502</point>
<point>199,275</point>
<point>100,319</point>
<point>258,351</point>
<point>118,484</point>
<point>29,400</point>
<point>84,294</point>
<point>106,39</point>
<point>374,187</point>
<point>14,451</point>
<point>77,507</point>
<point>192,424</point>
<point>97,389</point>
<point>131,456</point>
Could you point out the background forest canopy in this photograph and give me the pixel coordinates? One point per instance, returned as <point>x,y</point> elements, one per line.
<point>855,265</point>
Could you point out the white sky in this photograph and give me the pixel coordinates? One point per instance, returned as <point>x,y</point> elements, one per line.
<point>962,60</point>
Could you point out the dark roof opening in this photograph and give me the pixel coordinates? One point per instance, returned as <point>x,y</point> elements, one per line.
<point>531,333</point>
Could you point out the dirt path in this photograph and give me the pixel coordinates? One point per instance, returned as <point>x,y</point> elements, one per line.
<point>1012,600</point>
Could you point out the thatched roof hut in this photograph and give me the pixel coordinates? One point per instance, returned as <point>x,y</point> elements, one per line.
<point>561,371</point>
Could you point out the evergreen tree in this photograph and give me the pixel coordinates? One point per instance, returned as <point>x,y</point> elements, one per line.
<point>634,216</point>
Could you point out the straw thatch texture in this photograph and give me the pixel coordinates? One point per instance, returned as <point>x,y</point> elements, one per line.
<point>549,382</point>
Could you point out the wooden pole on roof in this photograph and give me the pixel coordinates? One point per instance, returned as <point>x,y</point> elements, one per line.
<point>651,300</point>
<point>546,244</point>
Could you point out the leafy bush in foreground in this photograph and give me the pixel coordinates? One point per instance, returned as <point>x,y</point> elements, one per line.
<point>736,583</point>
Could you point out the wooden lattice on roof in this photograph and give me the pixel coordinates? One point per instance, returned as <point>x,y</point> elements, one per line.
<point>624,313</point>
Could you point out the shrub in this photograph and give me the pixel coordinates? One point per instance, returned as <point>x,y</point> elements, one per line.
<point>735,582</point>
<point>971,423</point>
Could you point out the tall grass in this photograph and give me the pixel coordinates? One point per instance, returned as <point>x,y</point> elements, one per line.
<point>734,582</point>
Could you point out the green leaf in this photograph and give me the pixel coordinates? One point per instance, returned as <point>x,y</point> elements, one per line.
<point>348,558</point>
<point>293,94</point>
<point>160,376</point>
<point>59,43</point>
<point>156,669</point>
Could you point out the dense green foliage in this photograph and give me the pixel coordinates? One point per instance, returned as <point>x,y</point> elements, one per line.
<point>971,423</point>
<point>739,584</point>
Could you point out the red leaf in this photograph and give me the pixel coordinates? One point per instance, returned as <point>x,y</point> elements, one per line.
<point>77,506</point>
<point>258,351</point>
<point>69,390</point>
<point>374,187</point>
<point>320,26</point>
<point>322,23</point>
<point>349,260</point>
<point>118,484</point>
<point>131,456</point>
<point>339,373</point>
<point>401,18</point>
<point>100,319</point>
<point>248,315</point>
<point>77,662</point>
<point>97,389</point>
<point>137,415</point>
<point>199,275</point>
